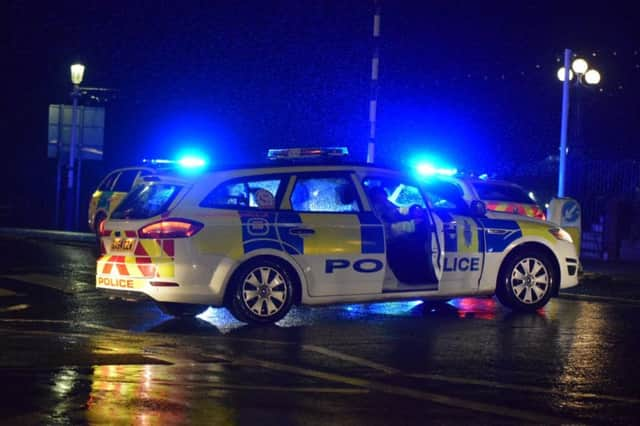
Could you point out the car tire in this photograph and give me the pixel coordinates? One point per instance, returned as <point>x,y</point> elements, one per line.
<point>526,281</point>
<point>182,309</point>
<point>262,292</point>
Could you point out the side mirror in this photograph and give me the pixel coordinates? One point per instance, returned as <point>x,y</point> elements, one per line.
<point>478,208</point>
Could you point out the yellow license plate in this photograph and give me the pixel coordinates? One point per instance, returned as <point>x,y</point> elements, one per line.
<point>123,244</point>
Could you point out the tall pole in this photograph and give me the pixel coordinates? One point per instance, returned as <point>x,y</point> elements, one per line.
<point>373,101</point>
<point>59,163</point>
<point>69,213</point>
<point>564,124</point>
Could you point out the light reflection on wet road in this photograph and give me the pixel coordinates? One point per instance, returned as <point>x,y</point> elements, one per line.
<point>78,358</point>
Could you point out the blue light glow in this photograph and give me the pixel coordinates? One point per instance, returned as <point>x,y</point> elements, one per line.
<point>424,168</point>
<point>191,162</point>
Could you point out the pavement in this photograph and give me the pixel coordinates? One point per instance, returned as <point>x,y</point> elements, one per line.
<point>45,234</point>
<point>617,281</point>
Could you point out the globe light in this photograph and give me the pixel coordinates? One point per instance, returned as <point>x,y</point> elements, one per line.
<point>580,66</point>
<point>592,77</point>
<point>77,72</point>
<point>561,74</point>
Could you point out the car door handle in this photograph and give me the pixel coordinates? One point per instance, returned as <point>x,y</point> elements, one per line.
<point>302,231</point>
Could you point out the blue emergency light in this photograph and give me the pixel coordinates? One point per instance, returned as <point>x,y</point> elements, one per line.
<point>190,162</point>
<point>427,169</point>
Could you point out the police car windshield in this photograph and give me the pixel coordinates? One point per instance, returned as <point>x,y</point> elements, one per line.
<point>146,201</point>
<point>445,195</point>
<point>501,192</point>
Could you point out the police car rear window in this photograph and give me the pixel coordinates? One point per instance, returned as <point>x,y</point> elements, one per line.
<point>500,192</point>
<point>146,201</point>
<point>255,192</point>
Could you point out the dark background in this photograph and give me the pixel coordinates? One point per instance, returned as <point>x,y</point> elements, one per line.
<point>471,83</point>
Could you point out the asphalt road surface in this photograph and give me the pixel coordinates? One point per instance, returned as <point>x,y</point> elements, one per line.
<point>69,355</point>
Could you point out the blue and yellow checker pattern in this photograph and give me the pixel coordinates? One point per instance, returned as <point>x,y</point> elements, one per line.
<point>464,234</point>
<point>313,233</point>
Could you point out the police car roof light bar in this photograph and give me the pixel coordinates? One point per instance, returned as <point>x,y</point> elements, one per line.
<point>302,153</point>
<point>156,161</point>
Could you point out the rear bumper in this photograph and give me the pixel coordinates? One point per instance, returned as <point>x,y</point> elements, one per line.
<point>131,296</point>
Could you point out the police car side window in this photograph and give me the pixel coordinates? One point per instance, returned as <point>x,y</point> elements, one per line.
<point>256,193</point>
<point>107,183</point>
<point>445,195</point>
<point>125,181</point>
<point>324,194</point>
<point>402,194</point>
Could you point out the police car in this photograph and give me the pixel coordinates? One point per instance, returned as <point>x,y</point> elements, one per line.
<point>111,190</point>
<point>258,240</point>
<point>497,195</point>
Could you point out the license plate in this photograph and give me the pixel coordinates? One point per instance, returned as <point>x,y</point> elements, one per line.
<point>123,244</point>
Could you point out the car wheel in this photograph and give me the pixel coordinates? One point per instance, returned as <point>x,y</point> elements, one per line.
<point>526,281</point>
<point>181,309</point>
<point>262,292</point>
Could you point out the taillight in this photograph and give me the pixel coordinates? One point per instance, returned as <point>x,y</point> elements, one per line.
<point>539,213</point>
<point>101,231</point>
<point>170,228</point>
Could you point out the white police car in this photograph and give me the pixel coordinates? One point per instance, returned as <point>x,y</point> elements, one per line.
<point>258,240</point>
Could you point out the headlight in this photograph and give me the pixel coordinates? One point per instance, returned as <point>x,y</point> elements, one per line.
<point>561,234</point>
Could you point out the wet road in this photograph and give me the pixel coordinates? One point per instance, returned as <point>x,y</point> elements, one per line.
<point>71,356</point>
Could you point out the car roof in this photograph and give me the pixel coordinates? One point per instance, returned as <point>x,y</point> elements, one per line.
<point>276,167</point>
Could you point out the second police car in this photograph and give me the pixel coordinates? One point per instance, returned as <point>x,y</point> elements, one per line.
<point>258,240</point>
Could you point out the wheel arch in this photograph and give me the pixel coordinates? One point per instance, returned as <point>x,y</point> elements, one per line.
<point>290,265</point>
<point>538,247</point>
<point>100,213</point>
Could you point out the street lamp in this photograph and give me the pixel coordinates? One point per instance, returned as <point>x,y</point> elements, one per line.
<point>77,73</point>
<point>580,68</point>
<point>583,76</point>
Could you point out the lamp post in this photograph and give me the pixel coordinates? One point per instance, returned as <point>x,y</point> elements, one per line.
<point>583,76</point>
<point>77,73</point>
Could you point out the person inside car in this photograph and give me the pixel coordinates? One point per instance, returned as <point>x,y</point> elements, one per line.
<point>396,222</point>
<point>407,241</point>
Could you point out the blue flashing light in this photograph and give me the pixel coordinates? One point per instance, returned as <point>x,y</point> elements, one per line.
<point>483,176</point>
<point>427,169</point>
<point>187,162</point>
<point>156,161</point>
<point>191,162</point>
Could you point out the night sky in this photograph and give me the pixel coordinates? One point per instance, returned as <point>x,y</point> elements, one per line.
<point>470,82</point>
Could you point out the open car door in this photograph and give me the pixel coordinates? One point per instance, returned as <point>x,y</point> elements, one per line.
<point>415,237</point>
<point>437,246</point>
